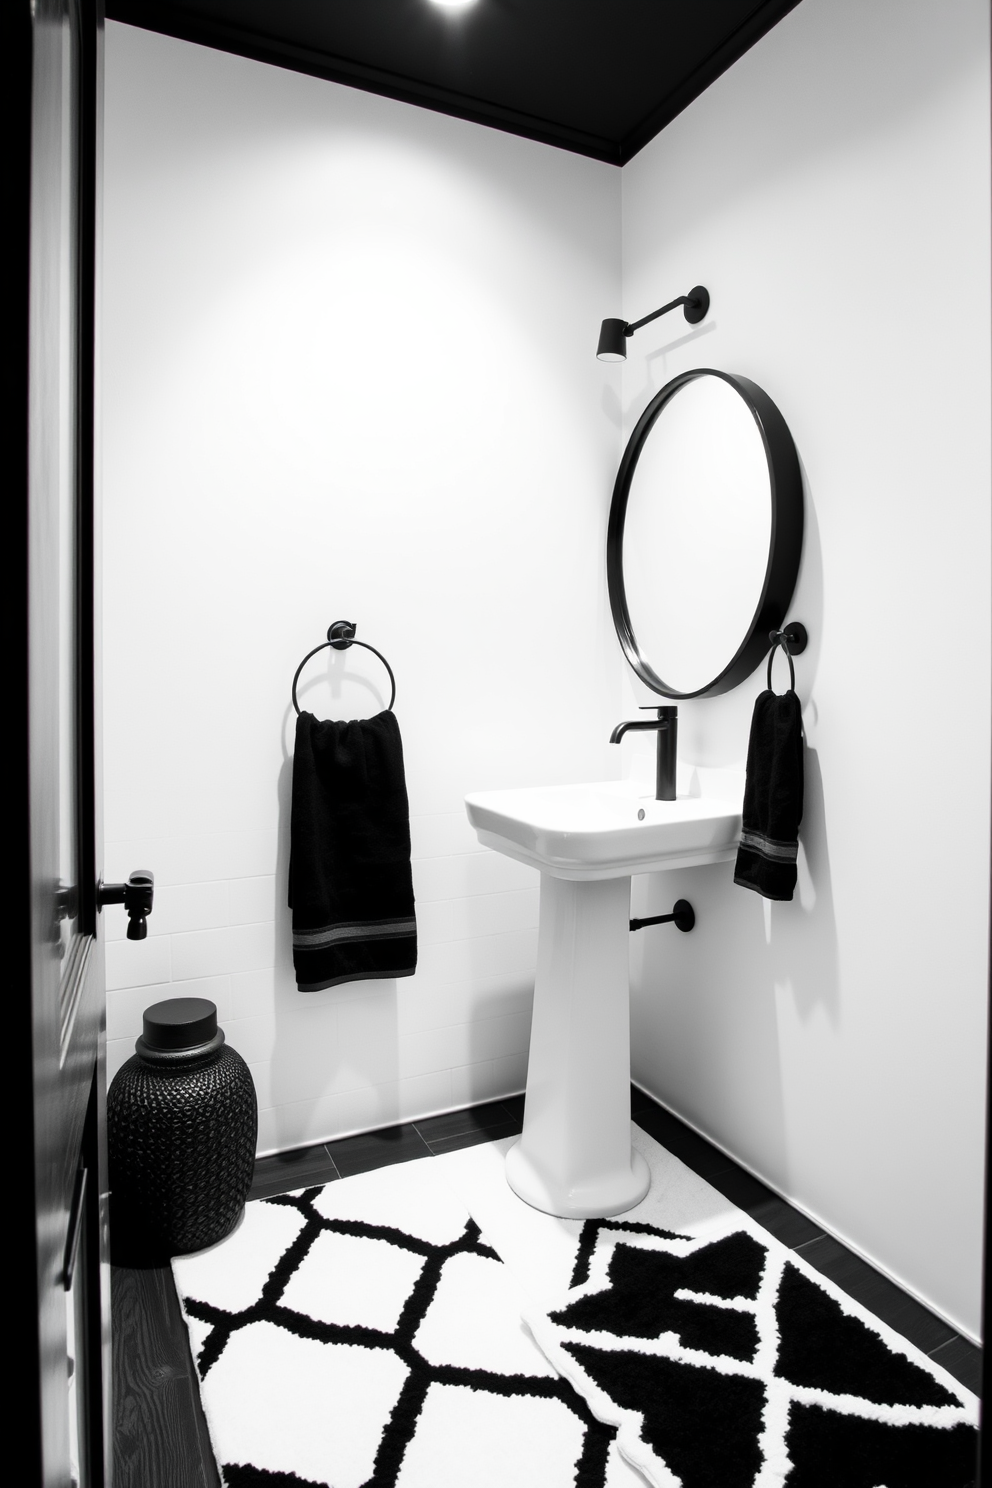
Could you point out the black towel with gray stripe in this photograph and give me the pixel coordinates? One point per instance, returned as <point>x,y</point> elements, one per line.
<point>773,797</point>
<point>350,883</point>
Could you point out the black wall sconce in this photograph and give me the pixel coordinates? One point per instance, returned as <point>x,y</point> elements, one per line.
<point>613,336</point>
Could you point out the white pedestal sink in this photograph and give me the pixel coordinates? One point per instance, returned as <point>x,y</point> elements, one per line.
<point>575,1157</point>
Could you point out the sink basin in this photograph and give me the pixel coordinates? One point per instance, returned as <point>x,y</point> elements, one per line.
<point>613,829</point>
<point>574,1157</point>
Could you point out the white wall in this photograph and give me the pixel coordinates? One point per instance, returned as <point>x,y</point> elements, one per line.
<point>349,373</point>
<point>832,192</point>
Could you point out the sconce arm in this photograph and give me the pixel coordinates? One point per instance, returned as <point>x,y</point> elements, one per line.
<point>673,305</point>
<point>696,303</point>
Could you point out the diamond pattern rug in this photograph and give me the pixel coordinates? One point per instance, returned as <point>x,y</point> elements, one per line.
<point>722,1361</point>
<point>370,1333</point>
<point>364,1333</point>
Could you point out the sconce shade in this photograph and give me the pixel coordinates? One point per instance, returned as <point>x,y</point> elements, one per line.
<point>613,341</point>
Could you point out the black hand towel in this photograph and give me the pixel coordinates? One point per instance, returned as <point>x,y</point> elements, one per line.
<point>773,797</point>
<point>350,884</point>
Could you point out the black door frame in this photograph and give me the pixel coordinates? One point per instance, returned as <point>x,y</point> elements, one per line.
<point>55,1076</point>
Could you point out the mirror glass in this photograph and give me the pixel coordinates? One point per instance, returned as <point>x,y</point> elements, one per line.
<point>697,534</point>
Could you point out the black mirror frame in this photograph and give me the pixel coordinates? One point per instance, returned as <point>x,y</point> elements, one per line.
<point>784,548</point>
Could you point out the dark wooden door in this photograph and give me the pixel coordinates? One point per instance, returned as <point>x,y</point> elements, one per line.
<point>56,1122</point>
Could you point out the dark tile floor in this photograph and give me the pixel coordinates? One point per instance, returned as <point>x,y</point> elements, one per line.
<point>160,1434</point>
<point>390,1144</point>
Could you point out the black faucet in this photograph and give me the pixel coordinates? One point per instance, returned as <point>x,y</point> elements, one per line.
<point>667,727</point>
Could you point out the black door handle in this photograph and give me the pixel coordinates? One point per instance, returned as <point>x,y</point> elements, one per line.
<point>136,896</point>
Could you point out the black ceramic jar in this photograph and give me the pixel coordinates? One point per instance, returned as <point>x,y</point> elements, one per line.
<point>181,1122</point>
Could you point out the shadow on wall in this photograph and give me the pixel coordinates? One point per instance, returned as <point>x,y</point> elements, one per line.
<point>707,1007</point>
<point>656,371</point>
<point>335,1057</point>
<point>817,983</point>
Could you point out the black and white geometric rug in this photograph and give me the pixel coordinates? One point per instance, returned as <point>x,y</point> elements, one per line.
<point>369,1334</point>
<point>723,1362</point>
<point>724,1358</point>
<point>364,1334</point>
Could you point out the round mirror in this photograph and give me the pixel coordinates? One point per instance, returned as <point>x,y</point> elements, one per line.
<point>705,534</point>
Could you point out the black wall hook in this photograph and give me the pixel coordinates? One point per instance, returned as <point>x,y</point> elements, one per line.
<point>793,639</point>
<point>683,915</point>
<point>795,635</point>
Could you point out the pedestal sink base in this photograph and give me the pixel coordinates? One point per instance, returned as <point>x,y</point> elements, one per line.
<point>574,1158</point>
<point>612,1195</point>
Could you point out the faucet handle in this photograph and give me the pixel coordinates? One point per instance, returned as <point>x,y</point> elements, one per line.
<point>665,710</point>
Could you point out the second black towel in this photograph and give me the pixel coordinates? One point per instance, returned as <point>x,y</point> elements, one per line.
<point>350,881</point>
<point>773,797</point>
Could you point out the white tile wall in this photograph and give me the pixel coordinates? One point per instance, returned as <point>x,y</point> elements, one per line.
<point>287,441</point>
<point>454,1034</point>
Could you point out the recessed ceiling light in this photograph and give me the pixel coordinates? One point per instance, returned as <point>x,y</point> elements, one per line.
<point>453,4</point>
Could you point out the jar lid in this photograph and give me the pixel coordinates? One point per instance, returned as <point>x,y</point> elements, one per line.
<point>179,1023</point>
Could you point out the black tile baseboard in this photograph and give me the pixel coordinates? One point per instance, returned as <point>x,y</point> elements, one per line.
<point>963,1359</point>
<point>483,1118</point>
<point>474,1138</point>
<point>698,1154</point>
<point>302,1167</point>
<point>876,1292</point>
<point>377,1149</point>
<point>776,1215</point>
<point>959,1356</point>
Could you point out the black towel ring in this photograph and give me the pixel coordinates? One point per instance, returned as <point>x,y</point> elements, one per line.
<point>340,636</point>
<point>793,640</point>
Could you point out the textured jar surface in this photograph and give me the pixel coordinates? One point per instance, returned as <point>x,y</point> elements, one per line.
<point>182,1149</point>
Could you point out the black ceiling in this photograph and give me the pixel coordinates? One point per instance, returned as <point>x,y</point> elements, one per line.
<point>600,77</point>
